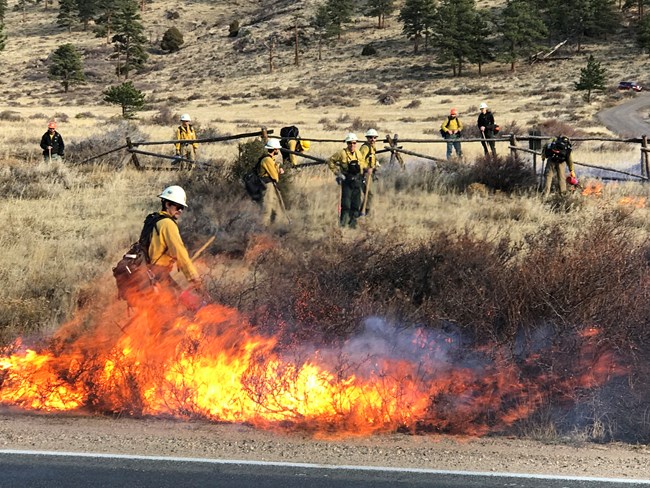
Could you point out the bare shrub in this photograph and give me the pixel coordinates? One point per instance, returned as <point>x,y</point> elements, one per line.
<point>506,174</point>
<point>61,117</point>
<point>81,150</point>
<point>165,117</point>
<point>10,116</point>
<point>414,104</point>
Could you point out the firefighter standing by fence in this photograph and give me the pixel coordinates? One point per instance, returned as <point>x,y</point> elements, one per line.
<point>348,164</point>
<point>269,172</point>
<point>557,153</point>
<point>368,153</point>
<point>185,132</point>
<point>451,130</point>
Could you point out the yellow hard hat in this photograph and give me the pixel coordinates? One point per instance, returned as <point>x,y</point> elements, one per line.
<point>305,144</point>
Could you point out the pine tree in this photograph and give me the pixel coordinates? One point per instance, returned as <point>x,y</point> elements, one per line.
<point>380,9</point>
<point>68,14</point>
<point>66,65</point>
<point>3,9</point>
<point>453,32</point>
<point>339,13</point>
<point>643,35</point>
<point>3,36</point>
<point>22,6</point>
<point>481,40</point>
<point>522,29</point>
<point>129,38</point>
<point>417,17</point>
<point>87,10</point>
<point>126,96</point>
<point>105,18</point>
<point>592,77</point>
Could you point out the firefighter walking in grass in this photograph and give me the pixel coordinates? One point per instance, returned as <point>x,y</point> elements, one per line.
<point>557,153</point>
<point>348,165</point>
<point>187,150</point>
<point>368,153</point>
<point>269,172</point>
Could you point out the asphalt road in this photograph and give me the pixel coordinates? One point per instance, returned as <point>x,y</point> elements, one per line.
<point>67,470</point>
<point>629,119</point>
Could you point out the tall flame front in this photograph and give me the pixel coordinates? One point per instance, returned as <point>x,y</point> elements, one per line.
<point>214,365</point>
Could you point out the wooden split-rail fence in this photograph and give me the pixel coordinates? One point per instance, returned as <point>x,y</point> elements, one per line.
<point>393,145</point>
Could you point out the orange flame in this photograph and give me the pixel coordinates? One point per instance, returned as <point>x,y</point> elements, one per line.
<point>215,366</point>
<point>636,202</point>
<point>593,188</point>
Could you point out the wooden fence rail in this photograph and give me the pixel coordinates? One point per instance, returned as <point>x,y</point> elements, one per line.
<point>535,142</point>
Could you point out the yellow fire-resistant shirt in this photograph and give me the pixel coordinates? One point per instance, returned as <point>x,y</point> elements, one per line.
<point>269,169</point>
<point>452,124</point>
<point>167,248</point>
<point>340,160</point>
<point>369,155</point>
<point>185,134</point>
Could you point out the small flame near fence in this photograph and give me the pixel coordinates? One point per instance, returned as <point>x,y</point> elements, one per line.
<point>215,366</point>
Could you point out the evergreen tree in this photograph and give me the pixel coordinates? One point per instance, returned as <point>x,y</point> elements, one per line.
<point>522,29</point>
<point>172,40</point>
<point>126,96</point>
<point>578,20</point>
<point>453,34</point>
<point>643,35</point>
<point>129,38</point>
<point>338,12</point>
<point>481,40</point>
<point>87,10</point>
<point>68,14</point>
<point>321,21</point>
<point>380,9</point>
<point>3,36</point>
<point>22,6</point>
<point>105,18</point>
<point>66,65</point>
<point>3,9</point>
<point>417,17</point>
<point>592,77</point>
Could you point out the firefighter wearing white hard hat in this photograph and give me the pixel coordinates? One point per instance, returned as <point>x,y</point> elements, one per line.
<point>348,165</point>
<point>368,153</point>
<point>488,128</point>
<point>269,171</point>
<point>167,247</point>
<point>186,150</point>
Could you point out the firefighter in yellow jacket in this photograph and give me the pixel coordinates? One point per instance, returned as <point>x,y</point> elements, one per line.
<point>167,247</point>
<point>185,132</point>
<point>368,153</point>
<point>348,165</point>
<point>451,130</point>
<point>269,171</point>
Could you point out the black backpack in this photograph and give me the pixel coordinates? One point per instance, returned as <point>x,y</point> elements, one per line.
<point>131,272</point>
<point>290,131</point>
<point>559,149</point>
<point>255,186</point>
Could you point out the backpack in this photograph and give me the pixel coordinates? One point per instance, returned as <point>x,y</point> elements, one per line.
<point>558,150</point>
<point>131,272</point>
<point>290,131</point>
<point>255,186</point>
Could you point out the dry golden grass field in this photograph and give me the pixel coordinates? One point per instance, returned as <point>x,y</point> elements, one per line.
<point>66,224</point>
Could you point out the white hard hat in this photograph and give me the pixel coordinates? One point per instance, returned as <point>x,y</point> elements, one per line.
<point>186,118</point>
<point>351,137</point>
<point>272,144</point>
<point>482,106</point>
<point>174,194</point>
<point>372,133</point>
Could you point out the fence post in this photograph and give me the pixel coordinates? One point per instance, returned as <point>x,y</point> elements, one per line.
<point>134,157</point>
<point>265,136</point>
<point>513,144</point>
<point>534,144</point>
<point>645,166</point>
